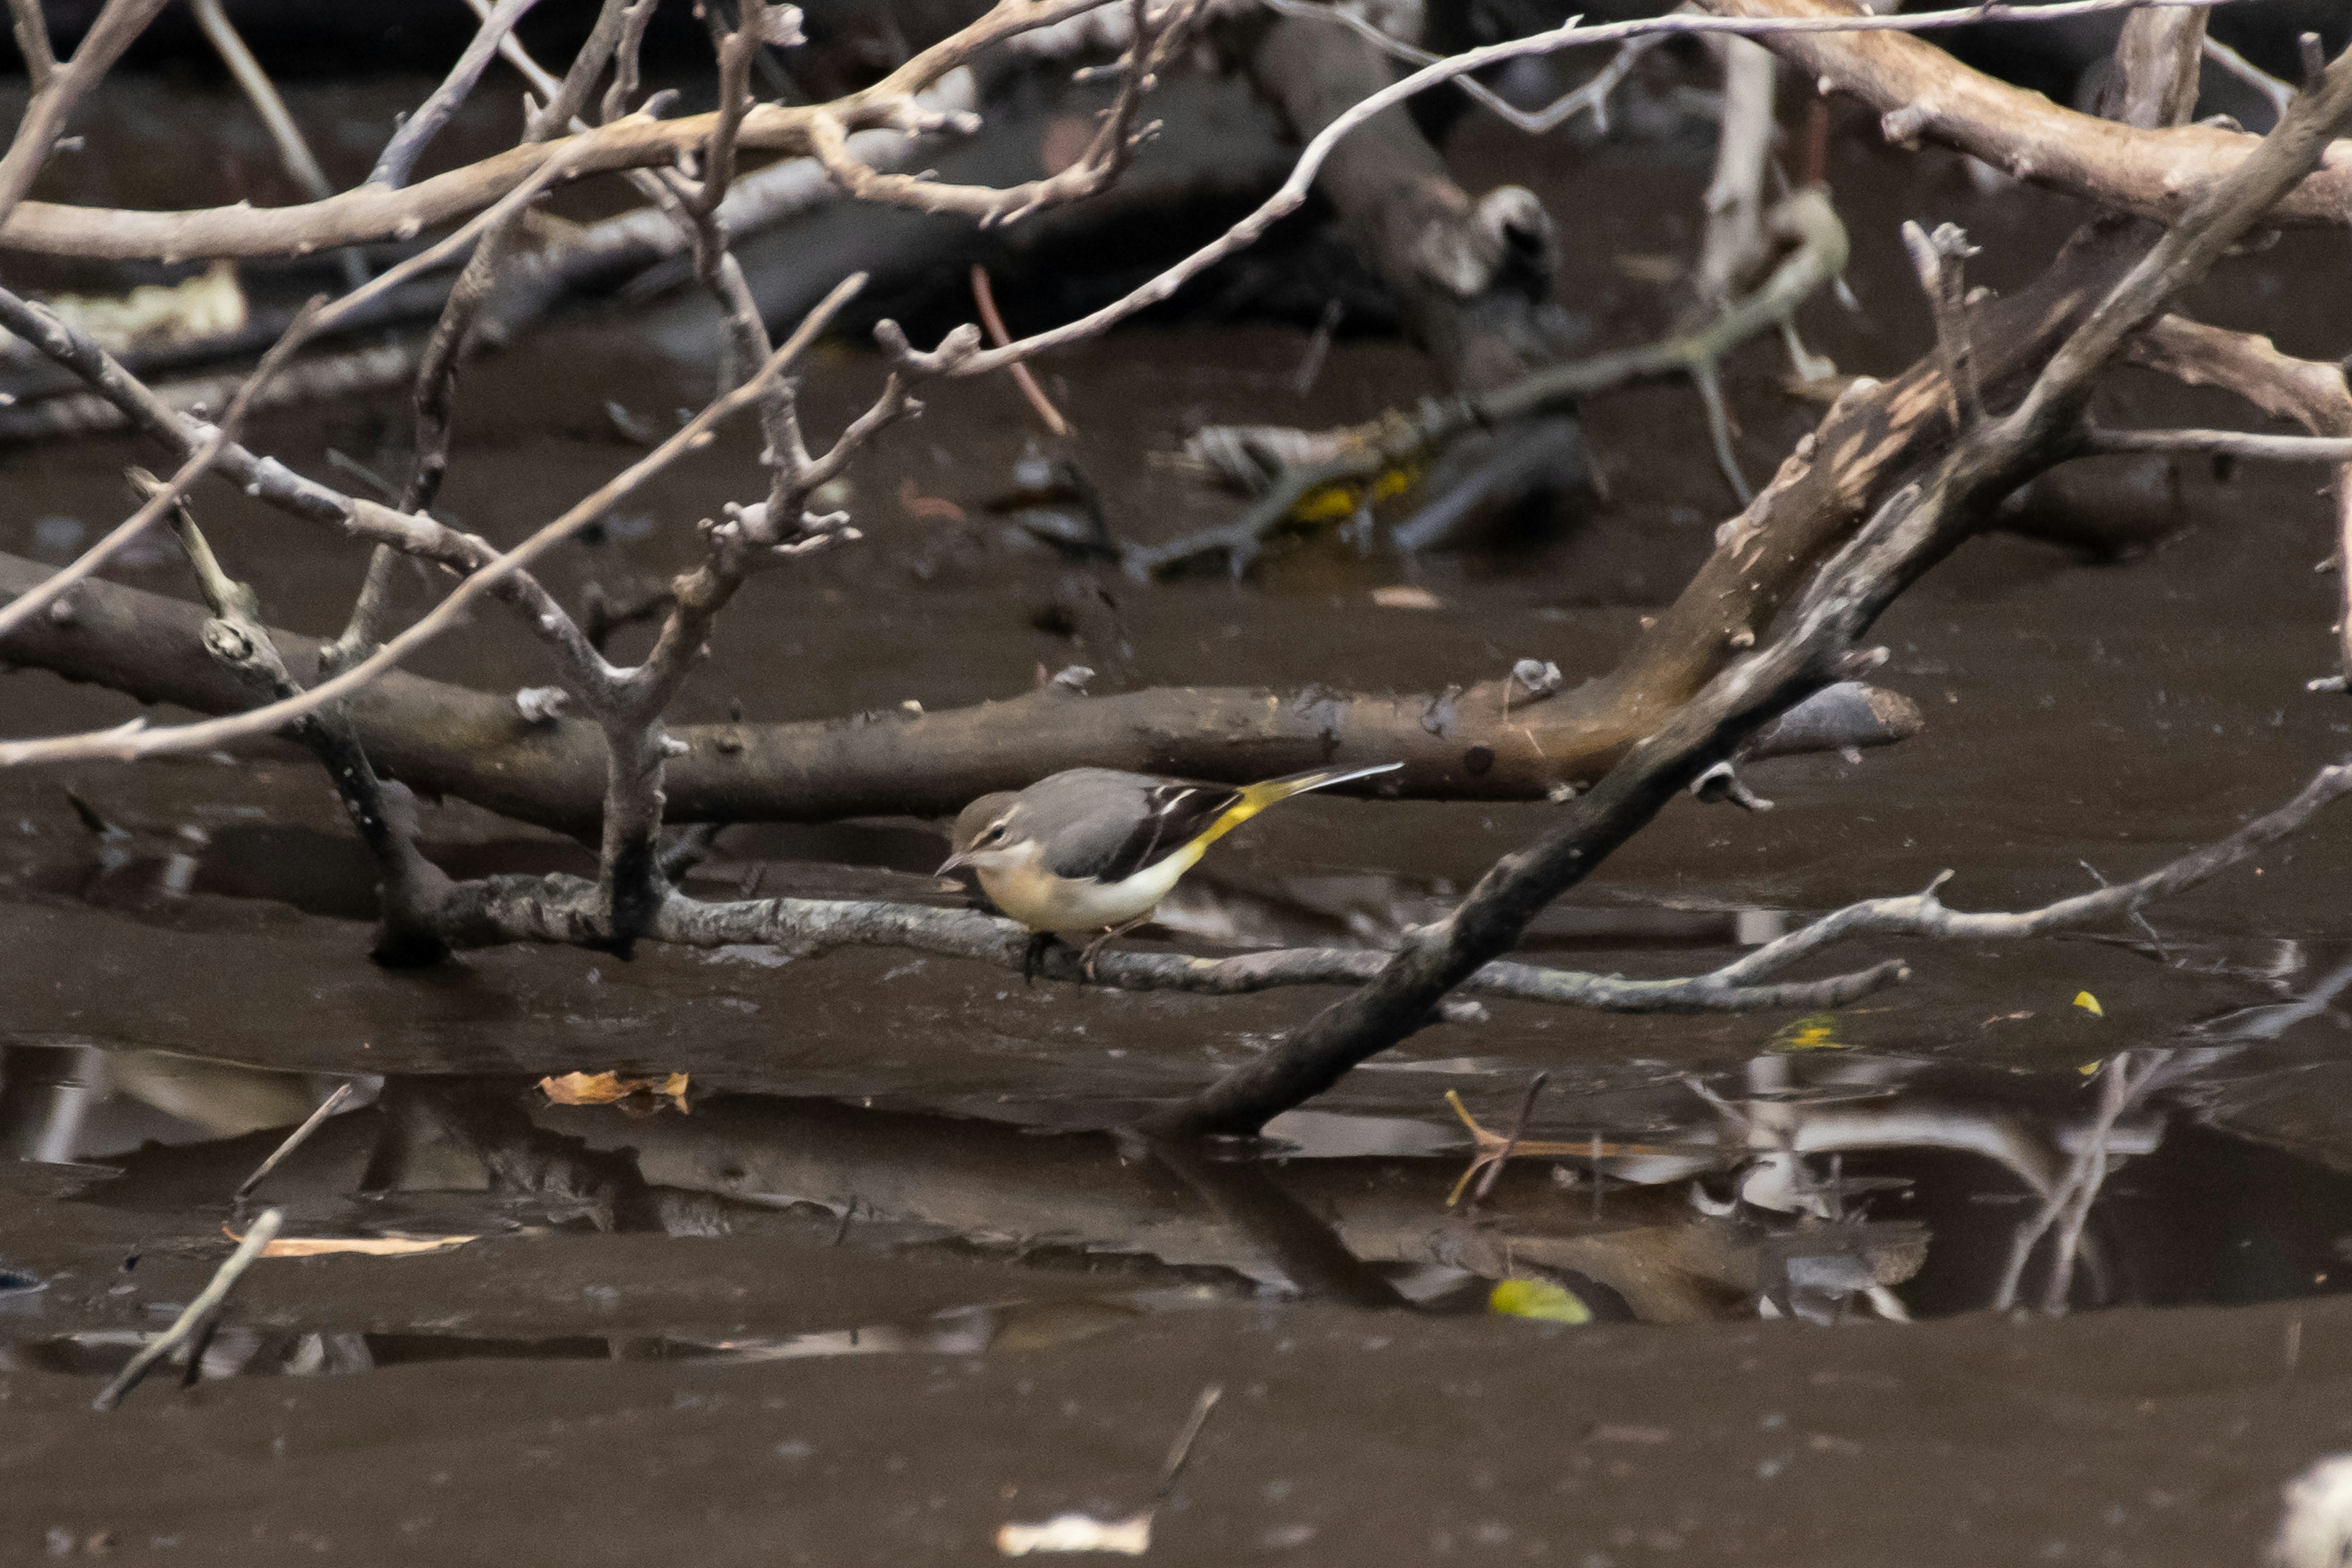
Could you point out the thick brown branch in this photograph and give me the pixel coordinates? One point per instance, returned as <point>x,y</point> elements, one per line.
<point>449,740</point>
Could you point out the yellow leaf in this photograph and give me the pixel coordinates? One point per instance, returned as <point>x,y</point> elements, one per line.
<point>1814,1032</point>
<point>2089,1004</point>
<point>1328,504</point>
<point>1538,1299</point>
<point>2088,1068</point>
<point>608,1089</point>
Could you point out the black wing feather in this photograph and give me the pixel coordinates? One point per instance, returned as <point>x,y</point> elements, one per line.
<point>1174,815</point>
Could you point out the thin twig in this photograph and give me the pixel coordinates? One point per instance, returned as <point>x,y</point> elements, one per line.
<point>45,117</point>
<point>32,30</point>
<point>984,296</point>
<point>209,1301</point>
<point>1589,98</point>
<point>293,149</point>
<point>416,133</point>
<point>222,437</point>
<point>2235,442</point>
<point>130,741</point>
<point>1939,259</point>
<point>1179,1452</point>
<point>2279,93</point>
<point>297,1138</point>
<point>1511,1142</point>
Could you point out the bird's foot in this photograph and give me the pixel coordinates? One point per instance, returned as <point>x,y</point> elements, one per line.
<point>1035,954</point>
<point>1086,958</point>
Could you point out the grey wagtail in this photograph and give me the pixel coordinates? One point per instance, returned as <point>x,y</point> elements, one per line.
<point>1096,849</point>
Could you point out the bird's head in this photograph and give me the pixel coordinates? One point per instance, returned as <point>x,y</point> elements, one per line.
<point>986,834</point>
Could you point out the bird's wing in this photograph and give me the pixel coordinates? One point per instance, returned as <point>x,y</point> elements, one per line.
<point>1139,830</point>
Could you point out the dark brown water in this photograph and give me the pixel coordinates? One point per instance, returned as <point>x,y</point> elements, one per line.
<point>878,1291</point>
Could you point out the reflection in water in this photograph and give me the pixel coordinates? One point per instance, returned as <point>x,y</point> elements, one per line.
<point>1812,1184</point>
<point>959,1330</point>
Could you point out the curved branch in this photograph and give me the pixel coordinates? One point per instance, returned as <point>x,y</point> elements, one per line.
<point>1924,92</point>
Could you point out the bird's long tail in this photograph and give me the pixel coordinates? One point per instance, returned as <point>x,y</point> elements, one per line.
<point>1250,799</point>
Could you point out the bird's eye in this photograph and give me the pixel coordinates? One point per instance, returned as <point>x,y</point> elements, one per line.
<point>994,834</point>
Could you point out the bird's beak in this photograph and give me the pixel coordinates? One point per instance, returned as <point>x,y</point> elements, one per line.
<point>952,863</point>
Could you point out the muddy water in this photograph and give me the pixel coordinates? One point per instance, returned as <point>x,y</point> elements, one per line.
<point>882,1284</point>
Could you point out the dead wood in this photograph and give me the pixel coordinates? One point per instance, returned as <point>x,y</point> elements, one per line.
<point>1914,530</point>
<point>1923,93</point>
<point>478,746</point>
<point>1472,273</point>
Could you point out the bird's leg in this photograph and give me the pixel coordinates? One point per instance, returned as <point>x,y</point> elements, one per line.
<point>1035,954</point>
<point>1086,958</point>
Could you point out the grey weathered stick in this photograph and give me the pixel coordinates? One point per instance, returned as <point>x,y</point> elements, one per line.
<point>293,148</point>
<point>206,445</point>
<point>209,1301</point>
<point>32,30</point>
<point>1179,1452</point>
<point>199,461</point>
<point>417,131</point>
<point>127,743</point>
<point>2235,442</point>
<point>2279,93</point>
<point>300,1135</point>
<point>1591,97</point>
<point>2133,170</point>
<point>116,27</point>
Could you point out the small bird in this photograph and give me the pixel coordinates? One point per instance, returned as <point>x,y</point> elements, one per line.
<point>1097,848</point>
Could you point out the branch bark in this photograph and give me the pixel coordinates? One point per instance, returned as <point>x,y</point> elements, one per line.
<point>1923,92</point>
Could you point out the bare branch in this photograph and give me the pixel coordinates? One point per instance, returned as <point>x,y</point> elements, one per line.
<point>1156,36</point>
<point>293,150</point>
<point>32,30</point>
<point>624,87</point>
<point>568,101</point>
<point>1922,914</point>
<point>1923,92</point>
<point>1913,530</point>
<point>2279,93</point>
<point>417,131</point>
<point>2134,167</point>
<point>53,100</point>
<point>128,745</point>
<point>1591,97</point>
<point>199,461</point>
<point>193,1318</point>
<point>2157,57</point>
<point>1939,259</point>
<point>2235,443</point>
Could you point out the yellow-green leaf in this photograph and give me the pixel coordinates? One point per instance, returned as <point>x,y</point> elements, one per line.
<point>2089,1004</point>
<point>1813,1032</point>
<point>1538,1299</point>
